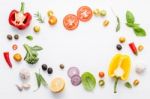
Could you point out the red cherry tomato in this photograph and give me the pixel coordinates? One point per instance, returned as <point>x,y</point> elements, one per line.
<point>70,22</point>
<point>84,13</point>
<point>101,74</point>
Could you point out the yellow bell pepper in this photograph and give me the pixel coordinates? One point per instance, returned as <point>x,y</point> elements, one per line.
<point>119,68</point>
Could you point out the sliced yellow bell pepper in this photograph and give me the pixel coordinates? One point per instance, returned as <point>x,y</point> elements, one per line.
<point>119,68</point>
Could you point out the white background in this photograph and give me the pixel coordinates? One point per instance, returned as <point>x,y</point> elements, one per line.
<point>90,47</point>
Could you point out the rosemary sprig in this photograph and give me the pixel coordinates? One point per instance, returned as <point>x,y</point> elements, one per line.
<point>39,17</point>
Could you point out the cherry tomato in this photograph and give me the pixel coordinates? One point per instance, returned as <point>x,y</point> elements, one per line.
<point>14,47</point>
<point>84,13</point>
<point>70,22</point>
<point>52,20</point>
<point>101,74</point>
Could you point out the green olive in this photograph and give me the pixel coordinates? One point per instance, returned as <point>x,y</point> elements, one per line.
<point>50,13</point>
<point>36,29</point>
<point>96,12</point>
<point>101,83</point>
<point>103,13</point>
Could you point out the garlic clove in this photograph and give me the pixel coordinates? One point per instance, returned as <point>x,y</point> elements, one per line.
<point>19,87</point>
<point>140,69</point>
<point>26,86</point>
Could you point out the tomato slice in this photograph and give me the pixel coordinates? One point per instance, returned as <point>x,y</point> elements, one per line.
<point>84,13</point>
<point>71,22</point>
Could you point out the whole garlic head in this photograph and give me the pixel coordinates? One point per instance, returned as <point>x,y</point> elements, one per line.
<point>24,74</point>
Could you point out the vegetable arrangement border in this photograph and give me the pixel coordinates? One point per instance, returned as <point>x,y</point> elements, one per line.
<point>120,65</point>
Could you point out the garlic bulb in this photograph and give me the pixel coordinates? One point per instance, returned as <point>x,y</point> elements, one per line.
<point>24,74</point>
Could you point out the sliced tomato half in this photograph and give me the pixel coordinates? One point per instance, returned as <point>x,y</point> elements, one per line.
<point>84,13</point>
<point>71,22</point>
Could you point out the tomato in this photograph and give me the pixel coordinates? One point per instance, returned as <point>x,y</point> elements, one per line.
<point>70,22</point>
<point>101,74</point>
<point>84,13</point>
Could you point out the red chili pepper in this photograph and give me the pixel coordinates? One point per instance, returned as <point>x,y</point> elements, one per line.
<point>7,59</point>
<point>133,48</point>
<point>19,19</point>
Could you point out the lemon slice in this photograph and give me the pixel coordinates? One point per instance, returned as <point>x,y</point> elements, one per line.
<point>57,85</point>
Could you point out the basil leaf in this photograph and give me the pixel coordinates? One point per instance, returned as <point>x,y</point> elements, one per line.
<point>29,37</point>
<point>132,24</point>
<point>139,31</point>
<point>88,81</point>
<point>130,17</point>
<point>118,24</point>
<point>37,48</point>
<point>128,85</point>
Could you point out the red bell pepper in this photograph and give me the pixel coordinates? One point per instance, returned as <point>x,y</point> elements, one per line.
<point>7,59</point>
<point>133,48</point>
<point>19,19</point>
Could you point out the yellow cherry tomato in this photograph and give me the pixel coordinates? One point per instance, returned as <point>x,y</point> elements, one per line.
<point>36,29</point>
<point>140,48</point>
<point>50,13</point>
<point>122,39</point>
<point>17,57</point>
<point>52,20</point>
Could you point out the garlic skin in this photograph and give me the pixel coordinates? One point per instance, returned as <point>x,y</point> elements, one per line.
<point>24,74</point>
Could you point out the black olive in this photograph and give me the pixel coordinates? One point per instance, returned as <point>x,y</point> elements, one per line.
<point>44,67</point>
<point>9,37</point>
<point>61,66</point>
<point>119,47</point>
<point>50,70</point>
<point>16,36</point>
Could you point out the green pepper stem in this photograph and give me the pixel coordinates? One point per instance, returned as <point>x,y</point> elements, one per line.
<point>22,7</point>
<point>115,85</point>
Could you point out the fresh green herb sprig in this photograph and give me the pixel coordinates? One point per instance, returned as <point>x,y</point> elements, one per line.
<point>39,17</point>
<point>139,31</point>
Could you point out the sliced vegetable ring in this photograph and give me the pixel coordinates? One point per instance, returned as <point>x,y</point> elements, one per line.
<point>70,22</point>
<point>84,13</point>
